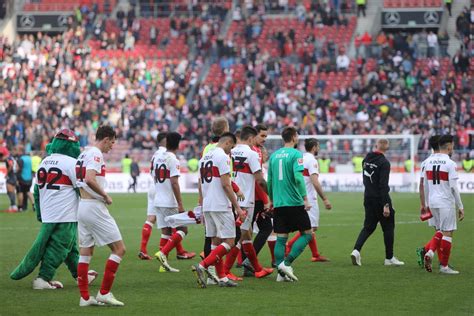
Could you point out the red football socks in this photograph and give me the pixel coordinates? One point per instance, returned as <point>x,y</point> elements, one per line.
<point>163,240</point>
<point>230,258</point>
<point>445,249</point>
<point>83,277</point>
<point>109,274</point>
<point>313,246</point>
<point>146,233</point>
<point>220,269</point>
<point>249,251</point>
<point>172,242</point>
<point>435,241</point>
<point>218,253</point>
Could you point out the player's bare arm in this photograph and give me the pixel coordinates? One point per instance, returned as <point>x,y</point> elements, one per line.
<point>421,189</point>
<point>261,181</point>
<point>319,189</point>
<point>91,181</point>
<point>199,192</point>
<point>227,186</point>
<point>177,193</point>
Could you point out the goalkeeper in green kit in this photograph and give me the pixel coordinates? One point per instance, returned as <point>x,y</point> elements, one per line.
<point>286,189</point>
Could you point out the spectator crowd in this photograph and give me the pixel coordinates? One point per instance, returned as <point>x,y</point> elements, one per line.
<point>396,86</point>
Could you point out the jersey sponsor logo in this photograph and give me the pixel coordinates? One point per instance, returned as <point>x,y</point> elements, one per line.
<point>300,161</point>
<point>97,159</point>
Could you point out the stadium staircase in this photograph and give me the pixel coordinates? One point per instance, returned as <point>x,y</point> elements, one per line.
<point>454,42</point>
<point>207,65</point>
<point>370,23</point>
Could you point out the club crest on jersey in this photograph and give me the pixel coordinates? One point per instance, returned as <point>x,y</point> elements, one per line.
<point>97,159</point>
<point>300,161</point>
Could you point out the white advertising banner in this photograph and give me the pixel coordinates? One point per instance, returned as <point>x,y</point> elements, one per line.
<point>331,182</point>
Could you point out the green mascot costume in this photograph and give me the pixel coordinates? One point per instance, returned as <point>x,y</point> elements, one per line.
<point>56,242</point>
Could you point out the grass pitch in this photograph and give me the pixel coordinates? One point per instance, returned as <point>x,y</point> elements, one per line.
<point>335,287</point>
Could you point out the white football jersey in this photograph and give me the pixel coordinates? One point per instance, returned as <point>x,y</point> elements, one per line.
<point>245,162</point>
<point>91,159</point>
<point>439,174</point>
<point>165,166</point>
<point>311,166</point>
<point>56,179</point>
<point>212,166</point>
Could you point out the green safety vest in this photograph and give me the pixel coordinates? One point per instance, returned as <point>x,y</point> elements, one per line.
<point>408,165</point>
<point>193,164</point>
<point>35,162</point>
<point>126,162</point>
<point>359,2</point>
<point>357,162</point>
<point>467,165</point>
<point>324,165</point>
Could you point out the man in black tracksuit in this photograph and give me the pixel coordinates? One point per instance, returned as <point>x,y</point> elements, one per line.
<point>377,203</point>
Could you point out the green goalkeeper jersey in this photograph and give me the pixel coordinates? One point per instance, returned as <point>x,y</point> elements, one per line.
<point>285,178</point>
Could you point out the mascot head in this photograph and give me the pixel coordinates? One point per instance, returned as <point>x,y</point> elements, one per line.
<point>65,142</point>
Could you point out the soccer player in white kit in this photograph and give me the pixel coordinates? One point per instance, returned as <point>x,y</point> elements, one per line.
<point>151,215</point>
<point>313,189</point>
<point>218,199</point>
<point>434,144</point>
<point>440,180</point>
<point>96,225</point>
<point>168,199</point>
<point>247,172</point>
<point>147,228</point>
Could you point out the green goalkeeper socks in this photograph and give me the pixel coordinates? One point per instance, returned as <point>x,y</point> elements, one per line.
<point>280,249</point>
<point>297,248</point>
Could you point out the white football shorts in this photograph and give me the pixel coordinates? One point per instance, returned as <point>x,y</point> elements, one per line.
<point>96,225</point>
<point>161,213</point>
<point>220,224</point>
<point>151,198</point>
<point>314,215</point>
<point>444,219</point>
<point>247,224</point>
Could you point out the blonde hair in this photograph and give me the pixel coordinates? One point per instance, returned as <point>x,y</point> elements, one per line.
<point>220,125</point>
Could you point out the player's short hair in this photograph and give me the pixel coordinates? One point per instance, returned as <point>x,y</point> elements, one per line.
<point>105,131</point>
<point>248,131</point>
<point>310,143</point>
<point>219,126</point>
<point>172,140</point>
<point>288,134</point>
<point>445,140</point>
<point>226,136</point>
<point>161,136</point>
<point>434,142</point>
<point>261,127</point>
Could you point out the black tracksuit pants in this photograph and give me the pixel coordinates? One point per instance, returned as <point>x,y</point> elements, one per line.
<point>374,215</point>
